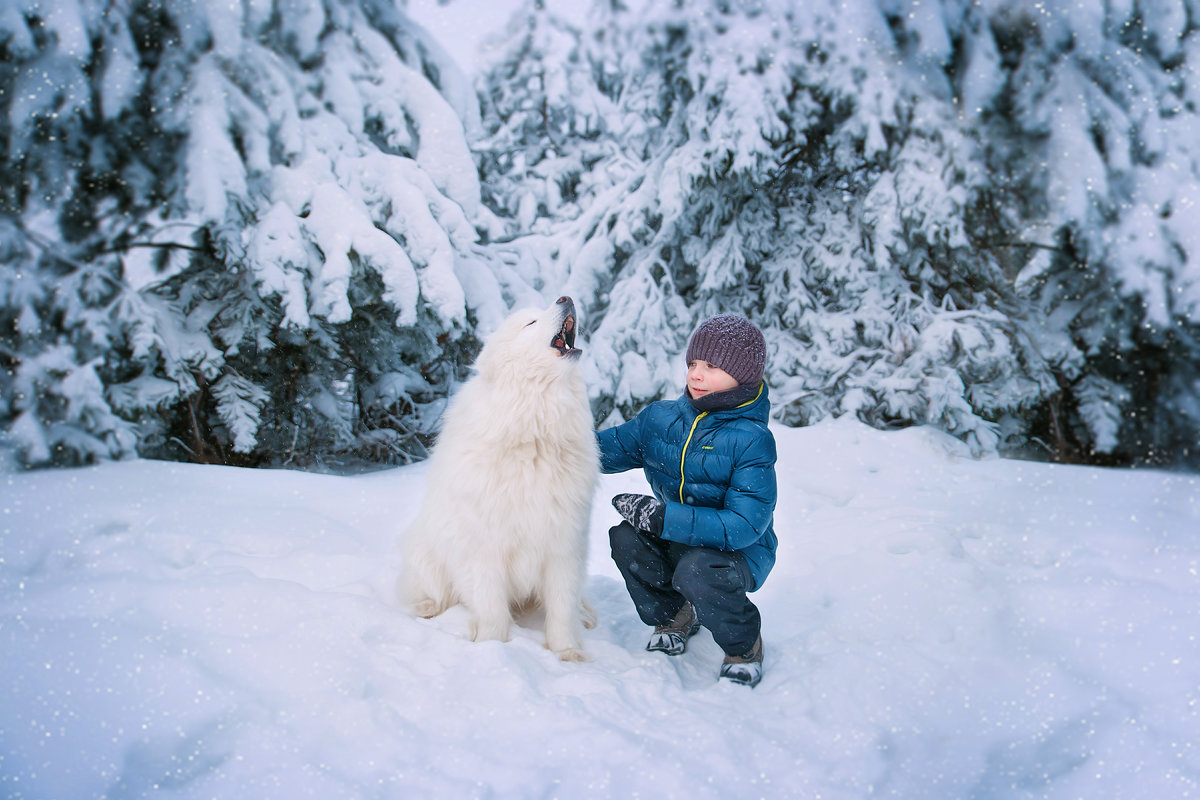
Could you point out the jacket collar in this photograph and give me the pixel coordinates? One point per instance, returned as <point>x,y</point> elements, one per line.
<point>755,406</point>
<point>728,400</point>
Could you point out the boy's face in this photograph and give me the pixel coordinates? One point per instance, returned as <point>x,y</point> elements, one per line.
<point>703,378</point>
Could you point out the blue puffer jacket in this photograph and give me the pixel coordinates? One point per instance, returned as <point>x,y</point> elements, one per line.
<point>714,470</point>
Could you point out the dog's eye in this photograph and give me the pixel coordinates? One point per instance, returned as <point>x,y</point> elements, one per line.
<point>532,323</point>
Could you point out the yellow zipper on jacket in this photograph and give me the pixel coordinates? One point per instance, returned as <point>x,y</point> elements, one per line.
<point>696,422</point>
<point>683,455</point>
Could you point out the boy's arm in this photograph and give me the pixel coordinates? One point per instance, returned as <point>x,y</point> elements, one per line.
<point>746,516</point>
<point>621,446</point>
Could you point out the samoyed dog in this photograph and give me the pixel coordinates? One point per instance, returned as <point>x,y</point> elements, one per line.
<point>503,525</point>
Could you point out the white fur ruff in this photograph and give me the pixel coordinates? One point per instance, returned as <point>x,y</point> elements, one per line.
<point>503,526</point>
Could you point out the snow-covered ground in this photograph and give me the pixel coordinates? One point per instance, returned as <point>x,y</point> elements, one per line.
<point>936,627</point>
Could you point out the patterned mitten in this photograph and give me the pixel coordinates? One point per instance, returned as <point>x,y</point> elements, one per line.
<point>642,512</point>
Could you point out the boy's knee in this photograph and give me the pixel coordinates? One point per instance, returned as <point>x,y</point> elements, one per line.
<point>702,569</point>
<point>627,545</point>
<point>622,537</point>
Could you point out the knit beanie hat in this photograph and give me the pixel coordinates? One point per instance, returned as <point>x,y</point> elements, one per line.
<point>734,344</point>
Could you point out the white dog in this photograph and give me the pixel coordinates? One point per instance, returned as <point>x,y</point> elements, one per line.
<point>503,527</point>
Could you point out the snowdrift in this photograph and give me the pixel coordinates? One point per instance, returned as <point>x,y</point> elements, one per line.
<point>935,627</point>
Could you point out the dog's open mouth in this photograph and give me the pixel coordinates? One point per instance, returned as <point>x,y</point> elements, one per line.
<point>564,340</point>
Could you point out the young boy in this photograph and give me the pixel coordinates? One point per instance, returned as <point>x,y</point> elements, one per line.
<point>690,553</point>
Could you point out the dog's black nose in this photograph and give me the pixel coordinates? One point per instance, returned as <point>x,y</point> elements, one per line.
<point>563,299</point>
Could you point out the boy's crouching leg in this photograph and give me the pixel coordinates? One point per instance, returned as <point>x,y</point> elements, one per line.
<point>644,562</point>
<point>716,583</point>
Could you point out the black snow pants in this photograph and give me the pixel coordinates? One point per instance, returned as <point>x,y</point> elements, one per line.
<point>661,575</point>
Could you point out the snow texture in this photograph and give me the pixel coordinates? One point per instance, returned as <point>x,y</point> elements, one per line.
<point>935,627</point>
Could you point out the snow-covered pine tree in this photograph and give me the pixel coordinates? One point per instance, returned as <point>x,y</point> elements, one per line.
<point>245,232</point>
<point>1089,116</point>
<point>978,216</point>
<point>899,311</point>
<point>549,145</point>
<point>534,121</point>
<point>770,160</point>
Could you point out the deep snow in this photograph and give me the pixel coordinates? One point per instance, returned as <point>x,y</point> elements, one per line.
<point>936,627</point>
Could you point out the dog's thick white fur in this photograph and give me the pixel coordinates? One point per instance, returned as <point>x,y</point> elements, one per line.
<point>503,526</point>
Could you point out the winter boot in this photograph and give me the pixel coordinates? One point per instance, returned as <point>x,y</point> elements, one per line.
<point>745,669</point>
<point>672,637</point>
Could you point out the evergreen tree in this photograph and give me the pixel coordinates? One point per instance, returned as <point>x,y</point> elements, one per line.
<point>550,144</point>
<point>243,234</point>
<point>1089,117</point>
<point>537,121</point>
<point>261,236</point>
<point>940,213</point>
<point>780,169</point>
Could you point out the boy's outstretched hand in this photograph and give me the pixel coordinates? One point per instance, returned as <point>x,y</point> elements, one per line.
<point>642,512</point>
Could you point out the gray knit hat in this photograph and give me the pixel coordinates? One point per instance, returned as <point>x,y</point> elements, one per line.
<point>734,344</point>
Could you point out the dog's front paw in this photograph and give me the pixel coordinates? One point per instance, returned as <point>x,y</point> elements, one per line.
<point>489,631</point>
<point>573,654</point>
<point>427,608</point>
